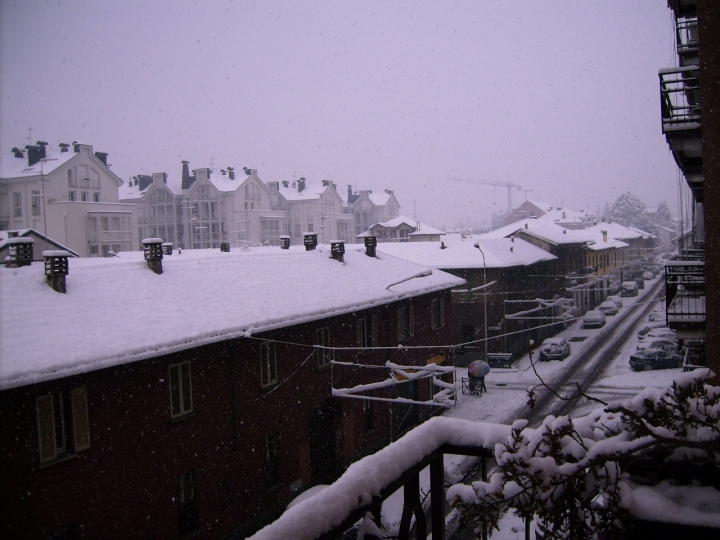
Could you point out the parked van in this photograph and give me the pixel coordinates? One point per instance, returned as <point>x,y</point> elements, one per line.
<point>629,288</point>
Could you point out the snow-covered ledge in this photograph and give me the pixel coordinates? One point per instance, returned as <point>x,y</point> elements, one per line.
<point>369,476</point>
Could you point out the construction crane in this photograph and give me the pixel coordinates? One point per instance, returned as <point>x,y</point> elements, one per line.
<point>508,185</point>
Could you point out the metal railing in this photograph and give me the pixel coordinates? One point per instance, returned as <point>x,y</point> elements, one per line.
<point>680,98</point>
<point>685,291</point>
<point>686,35</point>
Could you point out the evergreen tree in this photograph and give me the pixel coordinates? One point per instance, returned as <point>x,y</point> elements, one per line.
<point>630,211</point>
<point>663,217</point>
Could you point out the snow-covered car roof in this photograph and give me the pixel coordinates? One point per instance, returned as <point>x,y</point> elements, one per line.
<point>117,311</point>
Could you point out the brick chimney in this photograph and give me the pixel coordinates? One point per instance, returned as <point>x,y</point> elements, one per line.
<point>301,184</point>
<point>370,245</point>
<point>21,250</point>
<point>337,250</point>
<point>310,240</point>
<point>152,248</point>
<point>56,268</point>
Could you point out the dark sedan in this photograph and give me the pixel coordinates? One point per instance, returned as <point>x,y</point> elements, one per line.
<point>655,359</point>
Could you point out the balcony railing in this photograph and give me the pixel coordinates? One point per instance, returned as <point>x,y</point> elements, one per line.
<point>687,36</point>
<point>680,98</point>
<point>685,292</point>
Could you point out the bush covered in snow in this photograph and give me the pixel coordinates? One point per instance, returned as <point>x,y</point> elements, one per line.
<point>577,475</point>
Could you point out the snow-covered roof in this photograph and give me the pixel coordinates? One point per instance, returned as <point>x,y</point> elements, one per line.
<point>379,199</point>
<point>223,183</point>
<point>130,191</point>
<point>620,232</point>
<point>544,230</point>
<point>311,192</point>
<point>30,234</point>
<point>561,215</point>
<point>14,167</point>
<point>423,228</point>
<point>464,254</point>
<point>117,311</point>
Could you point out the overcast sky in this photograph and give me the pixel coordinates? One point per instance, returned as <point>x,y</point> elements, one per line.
<point>559,97</point>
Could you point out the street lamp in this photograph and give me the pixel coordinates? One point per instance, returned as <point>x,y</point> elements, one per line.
<point>477,245</point>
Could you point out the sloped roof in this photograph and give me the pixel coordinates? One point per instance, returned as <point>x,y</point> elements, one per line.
<point>544,230</point>
<point>379,199</point>
<point>464,254</point>
<point>561,215</point>
<point>31,233</point>
<point>130,191</point>
<point>197,300</point>
<point>311,192</point>
<point>620,232</point>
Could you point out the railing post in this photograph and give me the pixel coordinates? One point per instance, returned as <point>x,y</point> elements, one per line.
<point>412,505</point>
<point>437,497</point>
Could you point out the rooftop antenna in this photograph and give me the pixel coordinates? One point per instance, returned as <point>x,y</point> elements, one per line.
<point>526,192</point>
<point>212,163</point>
<point>414,210</point>
<point>30,135</point>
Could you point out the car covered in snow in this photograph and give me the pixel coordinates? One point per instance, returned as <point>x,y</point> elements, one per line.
<point>554,348</point>
<point>657,316</point>
<point>616,299</point>
<point>669,345</point>
<point>629,288</point>
<point>647,276</point>
<point>593,319</point>
<point>608,307</point>
<point>655,359</point>
<point>663,332</point>
<point>640,282</point>
<point>647,327</point>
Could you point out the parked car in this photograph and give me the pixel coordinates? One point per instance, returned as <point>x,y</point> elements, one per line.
<point>647,327</point>
<point>616,299</point>
<point>608,307</point>
<point>554,348</point>
<point>669,345</point>
<point>647,276</point>
<point>640,282</point>
<point>629,288</point>
<point>657,316</point>
<point>655,359</point>
<point>662,332</point>
<point>594,319</point>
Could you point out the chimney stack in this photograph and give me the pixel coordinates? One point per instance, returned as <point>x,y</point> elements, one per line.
<point>370,245</point>
<point>225,247</point>
<point>605,236</point>
<point>21,250</point>
<point>337,250</point>
<point>152,248</point>
<point>231,173</point>
<point>56,268</point>
<point>310,240</point>
<point>285,183</point>
<point>64,147</point>
<point>284,241</point>
<point>301,184</point>
<point>167,248</point>
<point>102,156</point>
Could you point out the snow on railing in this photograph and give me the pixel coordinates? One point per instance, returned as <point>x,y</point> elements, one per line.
<point>368,477</point>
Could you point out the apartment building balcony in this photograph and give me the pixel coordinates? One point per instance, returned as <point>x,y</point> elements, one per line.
<point>685,297</point>
<point>686,36</point>
<point>681,122</point>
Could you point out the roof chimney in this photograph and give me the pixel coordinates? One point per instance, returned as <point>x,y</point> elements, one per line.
<point>153,251</point>
<point>167,248</point>
<point>285,183</point>
<point>310,240</point>
<point>301,184</point>
<point>187,180</point>
<point>337,250</point>
<point>605,236</point>
<point>284,241</point>
<point>21,250</point>
<point>17,152</point>
<point>231,173</point>
<point>564,231</point>
<point>56,268</point>
<point>102,156</point>
<point>370,245</point>
<point>225,247</point>
<point>526,225</point>
<point>326,183</point>
<point>64,147</point>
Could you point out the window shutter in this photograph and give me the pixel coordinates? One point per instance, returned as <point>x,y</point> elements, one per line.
<point>81,425</point>
<point>411,320</point>
<point>442,312</point>
<point>374,330</point>
<point>46,428</point>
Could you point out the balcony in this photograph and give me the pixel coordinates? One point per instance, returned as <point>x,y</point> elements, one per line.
<point>685,297</point>
<point>686,35</point>
<point>681,122</point>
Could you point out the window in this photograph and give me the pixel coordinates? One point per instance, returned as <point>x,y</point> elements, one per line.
<point>325,356</point>
<point>187,505</point>
<point>72,180</point>
<point>272,463</point>
<point>96,197</point>
<point>36,203</point>
<point>94,251</point>
<point>84,196</point>
<point>63,426</point>
<point>72,196</point>
<point>180,389</point>
<point>366,331</point>
<point>94,179</point>
<point>405,322</point>
<point>17,204</point>
<point>437,313</point>
<point>84,174</point>
<point>252,197</point>
<point>268,364</point>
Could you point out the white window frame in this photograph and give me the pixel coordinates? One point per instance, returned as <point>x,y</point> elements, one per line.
<point>268,364</point>
<point>324,356</point>
<point>366,336</point>
<point>181,400</point>
<point>405,318</point>
<point>57,439</point>
<point>437,313</point>
<point>35,202</point>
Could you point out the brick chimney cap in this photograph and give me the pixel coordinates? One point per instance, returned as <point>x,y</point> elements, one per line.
<point>310,234</point>
<point>56,253</point>
<point>284,236</point>
<point>20,240</point>
<point>152,240</point>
